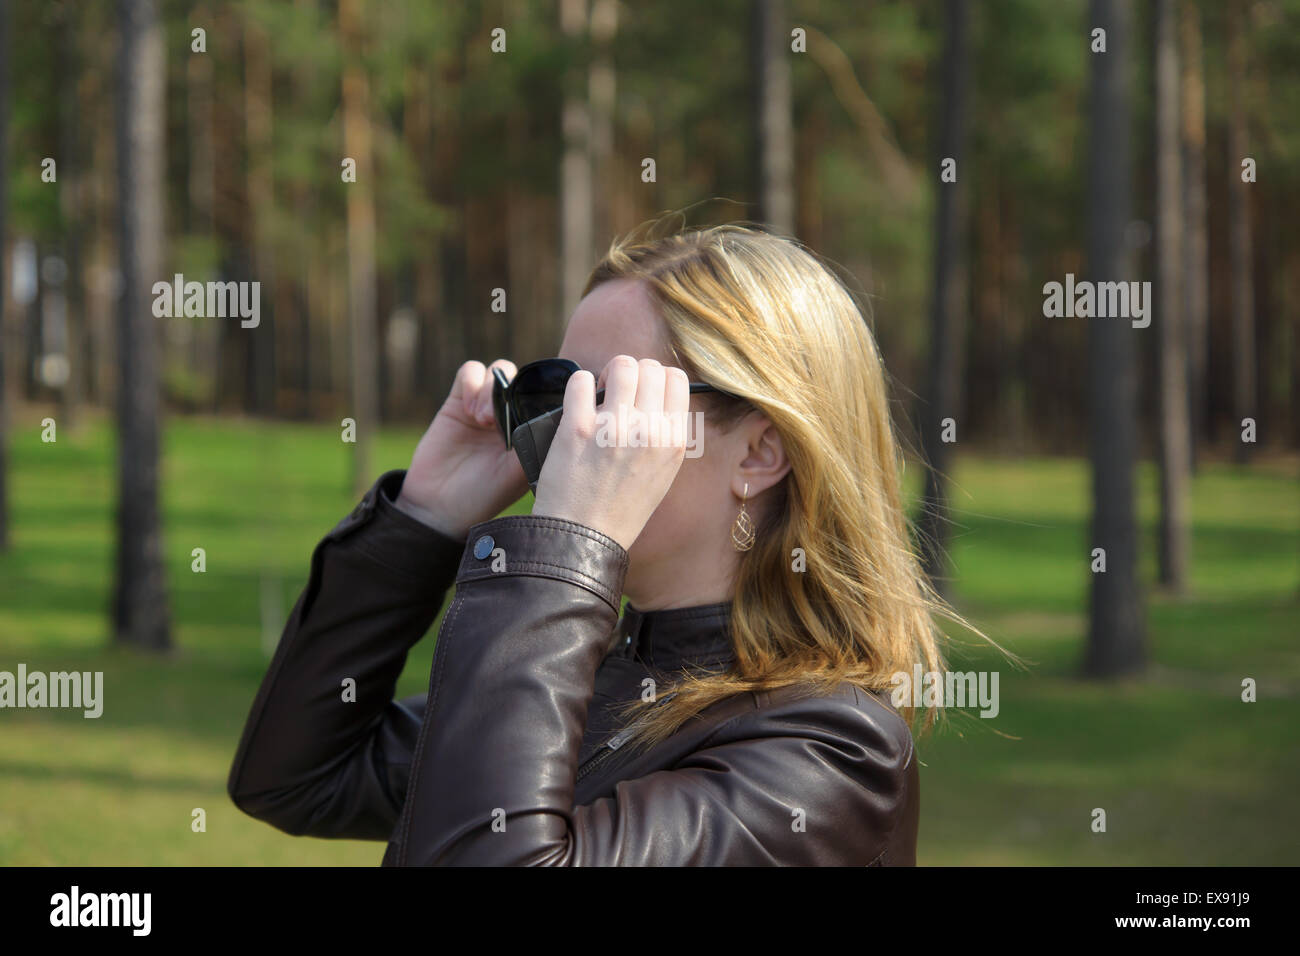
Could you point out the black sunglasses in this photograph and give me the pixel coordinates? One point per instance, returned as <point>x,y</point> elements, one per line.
<point>538,389</point>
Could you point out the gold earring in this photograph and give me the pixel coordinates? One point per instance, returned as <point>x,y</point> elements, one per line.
<point>742,532</point>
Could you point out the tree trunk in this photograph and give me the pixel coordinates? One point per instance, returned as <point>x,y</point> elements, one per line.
<point>773,116</point>
<point>526,329</point>
<point>362,298</point>
<point>71,195</point>
<point>575,168</point>
<point>449,341</point>
<point>602,92</point>
<point>1196,250</point>
<point>1239,236</point>
<point>140,615</point>
<point>306,288</point>
<point>948,306</point>
<point>99,223</point>
<point>1293,297</point>
<point>260,341</point>
<point>230,217</point>
<point>1116,627</point>
<point>443,286</point>
<point>1174,456</point>
<point>4,252</point>
<point>810,207</point>
<point>205,338</point>
<point>417,120</point>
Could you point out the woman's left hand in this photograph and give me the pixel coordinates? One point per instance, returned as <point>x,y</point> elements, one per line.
<point>609,468</point>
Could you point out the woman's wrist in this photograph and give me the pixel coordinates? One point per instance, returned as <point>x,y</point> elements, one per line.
<point>428,516</point>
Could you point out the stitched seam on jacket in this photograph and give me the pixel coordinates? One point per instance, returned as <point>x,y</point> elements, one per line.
<point>902,774</point>
<point>888,834</point>
<point>573,527</point>
<point>727,723</point>
<point>911,741</point>
<point>585,580</point>
<point>284,649</point>
<point>440,659</point>
<point>709,739</point>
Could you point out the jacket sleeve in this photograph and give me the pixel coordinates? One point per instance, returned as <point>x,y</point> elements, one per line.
<point>317,758</point>
<point>800,783</point>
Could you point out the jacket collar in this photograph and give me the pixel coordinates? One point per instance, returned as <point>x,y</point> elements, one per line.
<point>677,637</point>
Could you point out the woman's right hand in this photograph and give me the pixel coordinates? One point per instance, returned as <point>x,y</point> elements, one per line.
<point>461,472</point>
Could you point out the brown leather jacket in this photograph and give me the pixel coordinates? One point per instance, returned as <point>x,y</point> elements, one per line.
<point>514,756</point>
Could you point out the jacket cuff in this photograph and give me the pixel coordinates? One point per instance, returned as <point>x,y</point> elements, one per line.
<point>546,547</point>
<point>395,539</point>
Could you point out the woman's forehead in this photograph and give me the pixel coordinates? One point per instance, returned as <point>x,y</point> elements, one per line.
<point>615,318</point>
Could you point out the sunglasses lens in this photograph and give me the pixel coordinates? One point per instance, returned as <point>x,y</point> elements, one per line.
<point>540,389</point>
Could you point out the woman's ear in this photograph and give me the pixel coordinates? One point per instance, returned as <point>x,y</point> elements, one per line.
<point>764,463</point>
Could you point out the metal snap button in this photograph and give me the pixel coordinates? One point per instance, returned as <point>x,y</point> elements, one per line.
<point>483,546</point>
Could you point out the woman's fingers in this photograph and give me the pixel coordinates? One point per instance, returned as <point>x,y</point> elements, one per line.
<point>646,399</point>
<point>471,392</point>
<point>465,387</point>
<point>677,404</point>
<point>644,420</point>
<point>580,403</point>
<point>620,383</point>
<point>677,391</point>
<point>650,386</point>
<point>616,462</point>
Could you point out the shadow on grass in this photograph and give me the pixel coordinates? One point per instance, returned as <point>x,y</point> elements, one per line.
<point>121,779</point>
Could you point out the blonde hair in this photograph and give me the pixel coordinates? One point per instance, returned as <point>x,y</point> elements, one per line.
<point>760,317</point>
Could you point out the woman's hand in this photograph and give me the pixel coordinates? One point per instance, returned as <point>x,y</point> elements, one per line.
<point>461,472</point>
<point>609,468</point>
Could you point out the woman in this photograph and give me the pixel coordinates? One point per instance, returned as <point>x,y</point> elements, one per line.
<point>739,710</point>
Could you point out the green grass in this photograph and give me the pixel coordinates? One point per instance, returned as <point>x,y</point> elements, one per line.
<point>1185,771</point>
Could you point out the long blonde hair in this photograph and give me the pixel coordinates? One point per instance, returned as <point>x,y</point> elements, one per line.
<point>760,317</point>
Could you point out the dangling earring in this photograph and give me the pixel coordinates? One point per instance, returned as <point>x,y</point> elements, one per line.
<point>742,532</point>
